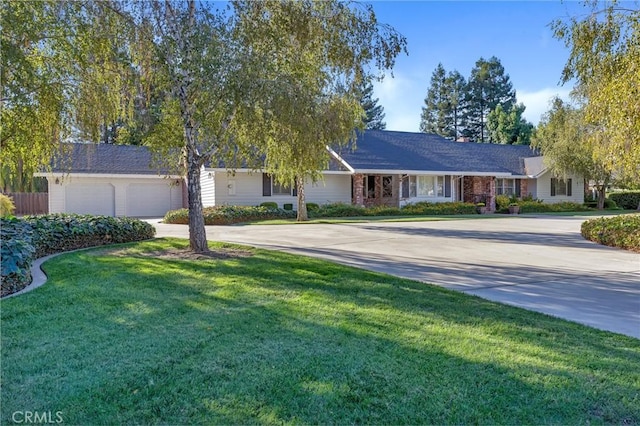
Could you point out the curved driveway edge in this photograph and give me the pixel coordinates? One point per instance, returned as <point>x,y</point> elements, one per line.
<point>537,263</point>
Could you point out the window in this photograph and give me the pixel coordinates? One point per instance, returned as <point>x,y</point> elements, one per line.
<point>506,187</point>
<point>560,187</point>
<point>429,186</point>
<point>269,187</point>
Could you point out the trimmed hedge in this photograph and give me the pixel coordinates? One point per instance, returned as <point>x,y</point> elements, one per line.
<point>417,209</point>
<point>228,215</point>
<point>617,231</point>
<point>31,237</point>
<point>626,200</point>
<point>540,207</point>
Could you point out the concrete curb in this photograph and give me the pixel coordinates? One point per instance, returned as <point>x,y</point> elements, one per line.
<point>38,277</point>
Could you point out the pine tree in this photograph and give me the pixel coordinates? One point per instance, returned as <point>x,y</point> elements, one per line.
<point>487,88</point>
<point>436,105</point>
<point>374,112</point>
<point>444,104</point>
<point>456,84</point>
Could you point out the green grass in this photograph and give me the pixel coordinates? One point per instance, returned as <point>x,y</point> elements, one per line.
<point>276,338</point>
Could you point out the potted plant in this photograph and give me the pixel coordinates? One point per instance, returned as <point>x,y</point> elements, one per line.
<point>481,208</point>
<point>514,208</point>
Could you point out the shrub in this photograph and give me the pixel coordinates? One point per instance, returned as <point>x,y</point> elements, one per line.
<point>502,203</point>
<point>626,200</point>
<point>36,236</point>
<point>312,207</point>
<point>228,215</point>
<point>540,207</point>
<point>7,208</point>
<point>339,210</point>
<point>17,254</point>
<point>269,204</point>
<point>426,208</point>
<point>618,231</point>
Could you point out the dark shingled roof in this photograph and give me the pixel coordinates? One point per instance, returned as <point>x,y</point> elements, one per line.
<point>388,150</point>
<point>106,158</point>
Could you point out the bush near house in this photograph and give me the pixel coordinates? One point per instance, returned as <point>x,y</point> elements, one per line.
<point>7,208</point>
<point>228,215</point>
<point>627,199</point>
<point>28,238</point>
<point>618,231</point>
<point>540,207</point>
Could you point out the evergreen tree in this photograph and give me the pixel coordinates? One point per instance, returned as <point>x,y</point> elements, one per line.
<point>375,113</point>
<point>487,88</point>
<point>444,104</point>
<point>456,84</point>
<point>436,107</point>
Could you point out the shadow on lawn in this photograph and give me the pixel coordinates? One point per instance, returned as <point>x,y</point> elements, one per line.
<point>276,338</point>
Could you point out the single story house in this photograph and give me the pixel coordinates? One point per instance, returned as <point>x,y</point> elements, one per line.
<point>385,168</point>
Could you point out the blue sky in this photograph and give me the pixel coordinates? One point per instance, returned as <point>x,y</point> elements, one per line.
<point>457,34</point>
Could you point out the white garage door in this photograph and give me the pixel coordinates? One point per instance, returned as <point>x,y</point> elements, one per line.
<point>149,199</point>
<point>98,199</point>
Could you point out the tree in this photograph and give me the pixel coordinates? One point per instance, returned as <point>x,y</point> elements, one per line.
<point>436,109</point>
<point>456,84</point>
<point>568,143</point>
<point>488,87</point>
<point>604,60</point>
<point>55,81</point>
<point>509,127</point>
<point>316,57</point>
<point>374,112</point>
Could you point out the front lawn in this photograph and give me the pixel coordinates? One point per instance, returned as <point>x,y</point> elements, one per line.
<point>121,336</point>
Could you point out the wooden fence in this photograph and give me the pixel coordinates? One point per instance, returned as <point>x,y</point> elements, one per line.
<point>30,202</point>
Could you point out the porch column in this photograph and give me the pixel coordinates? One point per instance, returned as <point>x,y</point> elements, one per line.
<point>358,189</point>
<point>492,194</point>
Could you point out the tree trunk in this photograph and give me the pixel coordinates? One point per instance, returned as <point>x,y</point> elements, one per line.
<point>601,196</point>
<point>197,233</point>
<point>302,205</point>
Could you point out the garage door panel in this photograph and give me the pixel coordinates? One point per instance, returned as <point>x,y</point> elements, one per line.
<point>148,199</point>
<point>96,199</point>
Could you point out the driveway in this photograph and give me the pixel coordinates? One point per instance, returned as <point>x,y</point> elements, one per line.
<point>537,263</point>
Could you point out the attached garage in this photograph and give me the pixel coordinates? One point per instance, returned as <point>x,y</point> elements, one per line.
<point>97,199</point>
<point>112,180</point>
<point>149,199</point>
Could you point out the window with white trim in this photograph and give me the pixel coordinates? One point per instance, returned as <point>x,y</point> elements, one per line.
<point>505,186</point>
<point>427,186</point>
<point>270,187</point>
<point>560,187</point>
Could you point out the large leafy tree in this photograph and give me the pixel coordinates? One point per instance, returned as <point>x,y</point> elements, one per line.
<point>61,73</point>
<point>509,127</point>
<point>374,112</point>
<point>605,61</point>
<point>488,86</point>
<point>568,143</point>
<point>316,57</point>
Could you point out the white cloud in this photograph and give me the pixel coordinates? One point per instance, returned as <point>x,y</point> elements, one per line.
<point>537,102</point>
<point>401,102</point>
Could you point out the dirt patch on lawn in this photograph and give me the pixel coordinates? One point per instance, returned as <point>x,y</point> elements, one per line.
<point>173,253</point>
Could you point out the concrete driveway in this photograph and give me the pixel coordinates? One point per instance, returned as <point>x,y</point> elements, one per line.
<point>538,263</point>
